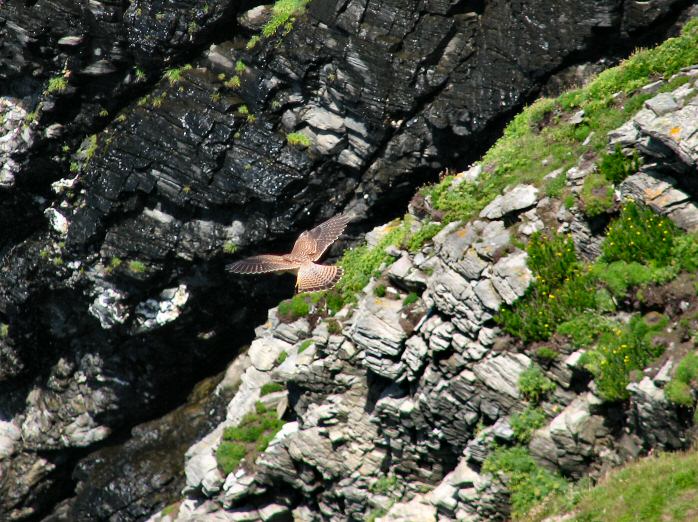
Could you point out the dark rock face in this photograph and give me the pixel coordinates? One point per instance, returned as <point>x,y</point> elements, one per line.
<point>112,285</point>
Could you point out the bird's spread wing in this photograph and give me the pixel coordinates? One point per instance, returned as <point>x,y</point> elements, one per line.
<point>313,243</point>
<point>261,264</point>
<point>312,277</point>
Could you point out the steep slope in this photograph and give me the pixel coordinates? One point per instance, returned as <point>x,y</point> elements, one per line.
<point>525,340</point>
<point>144,143</point>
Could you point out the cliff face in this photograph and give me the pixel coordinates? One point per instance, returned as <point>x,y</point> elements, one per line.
<point>126,176</point>
<point>402,403</point>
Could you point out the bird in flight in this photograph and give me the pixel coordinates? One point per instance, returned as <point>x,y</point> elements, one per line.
<point>308,248</point>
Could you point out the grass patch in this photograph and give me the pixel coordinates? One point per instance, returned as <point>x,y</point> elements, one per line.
<point>174,75</point>
<point>658,488</point>
<point>281,358</point>
<point>680,389</point>
<point>271,387</point>
<point>297,139</point>
<point>283,12</point>
<point>229,247</point>
<point>527,482</point>
<point>359,264</point>
<point>517,156</point>
<point>596,195</point>
<point>296,307</point>
<point>410,298</point>
<point>57,84</point>
<point>137,267</point>
<point>305,345</point>
<point>384,485</point>
<point>249,438</point>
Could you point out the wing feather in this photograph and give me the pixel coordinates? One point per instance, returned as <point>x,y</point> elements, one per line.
<point>314,242</point>
<point>261,264</point>
<point>312,277</point>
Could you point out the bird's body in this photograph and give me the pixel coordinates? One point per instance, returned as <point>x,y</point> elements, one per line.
<point>308,248</point>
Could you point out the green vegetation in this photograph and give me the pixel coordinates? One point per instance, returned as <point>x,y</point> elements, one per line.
<point>57,84</point>
<point>137,267</point>
<point>283,14</point>
<point>140,75</point>
<point>379,290</point>
<point>410,298</point>
<point>333,327</point>
<point>91,147</point>
<point>680,389</point>
<point>560,290</point>
<point>526,422</point>
<point>240,67</point>
<point>639,235</point>
<point>271,387</point>
<point>534,385</point>
<point>555,186</point>
<point>384,485</point>
<point>252,42</point>
<point>174,75</point>
<point>541,131</point>
<point>527,482</point>
<point>359,263</point>
<point>229,455</point>
<point>114,263</point>
<point>620,350</point>
<point>281,358</point>
<point>294,308</point>
<point>229,247</point>
<point>545,353</point>
<point>4,330</point>
<point>616,166</point>
<point>297,139</point>
<point>596,195</point>
<point>305,345</point>
<point>243,110</point>
<point>233,83</point>
<point>247,439</point>
<point>585,329</point>
<point>658,488</point>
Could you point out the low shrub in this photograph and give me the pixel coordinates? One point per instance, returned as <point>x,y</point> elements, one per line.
<point>527,482</point>
<point>523,424</point>
<point>584,329</point>
<point>639,235</point>
<point>620,276</point>
<point>616,166</point>
<point>379,290</point>
<point>619,351</point>
<point>680,389</point>
<point>534,385</point>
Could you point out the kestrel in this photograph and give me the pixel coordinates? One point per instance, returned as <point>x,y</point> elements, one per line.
<point>308,248</point>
